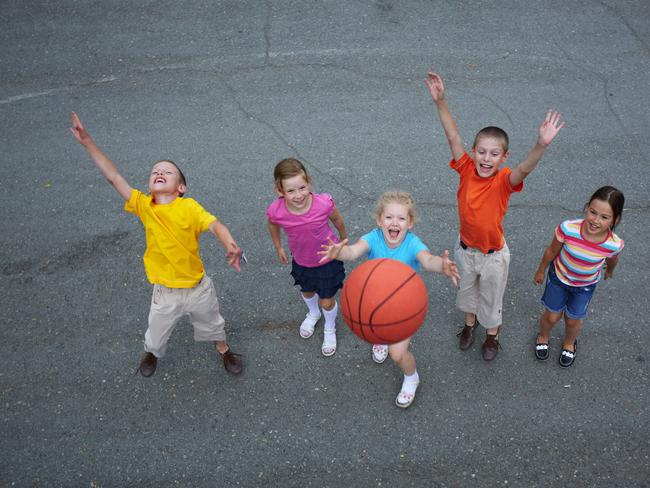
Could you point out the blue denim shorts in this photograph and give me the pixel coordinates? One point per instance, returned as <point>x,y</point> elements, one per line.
<point>572,300</point>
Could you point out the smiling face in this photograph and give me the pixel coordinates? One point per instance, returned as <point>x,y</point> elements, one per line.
<point>599,219</point>
<point>165,180</point>
<point>488,154</point>
<point>297,193</point>
<point>394,221</point>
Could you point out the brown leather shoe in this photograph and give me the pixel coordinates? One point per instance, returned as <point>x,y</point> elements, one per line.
<point>490,347</point>
<point>232,362</point>
<point>466,335</point>
<point>148,364</point>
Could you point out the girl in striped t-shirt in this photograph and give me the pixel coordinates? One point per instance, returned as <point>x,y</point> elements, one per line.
<point>575,260</point>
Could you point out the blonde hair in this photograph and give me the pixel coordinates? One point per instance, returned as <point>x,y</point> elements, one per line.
<point>396,196</point>
<point>288,168</point>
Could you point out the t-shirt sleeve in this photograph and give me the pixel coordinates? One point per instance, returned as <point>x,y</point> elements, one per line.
<point>458,165</point>
<point>417,245</point>
<point>559,233</point>
<point>371,239</point>
<point>504,174</point>
<point>272,211</point>
<point>329,202</point>
<point>131,205</point>
<point>621,245</point>
<point>204,217</point>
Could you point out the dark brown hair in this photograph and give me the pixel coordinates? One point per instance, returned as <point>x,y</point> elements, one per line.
<point>288,168</point>
<point>614,198</point>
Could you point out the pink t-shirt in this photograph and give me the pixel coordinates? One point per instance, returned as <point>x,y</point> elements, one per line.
<point>306,233</point>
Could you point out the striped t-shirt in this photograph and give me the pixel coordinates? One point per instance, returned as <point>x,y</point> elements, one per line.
<point>580,262</point>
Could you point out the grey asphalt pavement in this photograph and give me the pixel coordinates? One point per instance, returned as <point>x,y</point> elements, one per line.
<point>228,88</point>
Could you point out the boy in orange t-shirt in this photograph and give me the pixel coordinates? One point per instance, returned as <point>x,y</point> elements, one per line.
<point>481,252</point>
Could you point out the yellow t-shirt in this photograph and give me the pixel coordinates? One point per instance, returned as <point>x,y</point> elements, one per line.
<point>172,231</point>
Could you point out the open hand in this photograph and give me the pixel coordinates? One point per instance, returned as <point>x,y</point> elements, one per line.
<point>436,86</point>
<point>233,256</point>
<point>450,269</point>
<point>78,130</point>
<point>550,127</point>
<point>332,250</point>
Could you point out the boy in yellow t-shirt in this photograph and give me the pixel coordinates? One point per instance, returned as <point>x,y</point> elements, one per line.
<point>171,260</point>
<point>484,191</point>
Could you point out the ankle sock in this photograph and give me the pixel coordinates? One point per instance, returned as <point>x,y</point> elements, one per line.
<point>312,304</point>
<point>410,382</point>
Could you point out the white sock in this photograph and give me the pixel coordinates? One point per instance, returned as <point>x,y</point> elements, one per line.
<point>410,382</point>
<point>330,317</point>
<point>312,304</point>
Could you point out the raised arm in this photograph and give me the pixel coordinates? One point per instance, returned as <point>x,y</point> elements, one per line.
<point>274,230</point>
<point>343,252</point>
<point>550,252</point>
<point>437,91</point>
<point>439,264</point>
<point>233,251</point>
<point>546,133</point>
<point>337,220</point>
<point>105,165</point>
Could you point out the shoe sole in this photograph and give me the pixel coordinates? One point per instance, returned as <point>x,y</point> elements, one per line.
<point>406,405</point>
<point>488,359</point>
<point>466,347</point>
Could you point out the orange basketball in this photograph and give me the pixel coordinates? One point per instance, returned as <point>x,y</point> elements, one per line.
<point>384,301</point>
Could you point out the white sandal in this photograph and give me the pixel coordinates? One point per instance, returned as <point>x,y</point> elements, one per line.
<point>307,326</point>
<point>329,343</point>
<point>379,353</point>
<point>405,398</point>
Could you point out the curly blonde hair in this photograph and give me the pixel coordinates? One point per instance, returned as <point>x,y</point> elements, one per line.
<point>396,196</point>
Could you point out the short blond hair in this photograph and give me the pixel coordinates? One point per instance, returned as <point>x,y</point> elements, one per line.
<point>396,196</point>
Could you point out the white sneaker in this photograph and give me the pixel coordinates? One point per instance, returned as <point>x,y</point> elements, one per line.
<point>379,353</point>
<point>307,326</point>
<point>329,343</point>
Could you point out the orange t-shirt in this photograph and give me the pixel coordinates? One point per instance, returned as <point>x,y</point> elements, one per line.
<point>482,204</point>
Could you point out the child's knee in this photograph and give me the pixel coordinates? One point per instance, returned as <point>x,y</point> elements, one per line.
<point>572,323</point>
<point>398,352</point>
<point>327,303</point>
<point>552,317</point>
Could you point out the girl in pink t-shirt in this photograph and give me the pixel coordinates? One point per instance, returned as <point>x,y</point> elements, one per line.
<point>305,216</point>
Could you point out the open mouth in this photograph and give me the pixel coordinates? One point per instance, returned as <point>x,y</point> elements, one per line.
<point>160,180</point>
<point>393,233</point>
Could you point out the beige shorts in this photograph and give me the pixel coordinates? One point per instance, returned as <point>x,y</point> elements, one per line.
<point>483,279</point>
<point>168,305</point>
